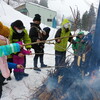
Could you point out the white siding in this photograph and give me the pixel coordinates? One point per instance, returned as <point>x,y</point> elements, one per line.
<point>43,11</point>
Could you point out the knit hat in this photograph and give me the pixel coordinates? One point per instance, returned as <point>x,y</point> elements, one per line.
<point>19,24</point>
<point>81,33</point>
<point>4,30</point>
<point>37,17</point>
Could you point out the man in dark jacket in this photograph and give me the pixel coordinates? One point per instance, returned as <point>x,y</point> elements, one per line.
<point>37,35</point>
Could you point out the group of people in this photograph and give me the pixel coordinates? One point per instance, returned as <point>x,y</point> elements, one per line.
<point>12,52</point>
<point>81,46</point>
<point>17,34</point>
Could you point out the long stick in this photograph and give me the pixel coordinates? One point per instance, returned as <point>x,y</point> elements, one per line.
<point>48,40</point>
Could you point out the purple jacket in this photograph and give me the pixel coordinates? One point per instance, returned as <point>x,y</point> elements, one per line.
<point>20,60</point>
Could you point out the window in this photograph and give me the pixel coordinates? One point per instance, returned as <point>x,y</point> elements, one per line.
<point>49,20</point>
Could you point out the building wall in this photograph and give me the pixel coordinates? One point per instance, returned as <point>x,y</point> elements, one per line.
<point>47,15</point>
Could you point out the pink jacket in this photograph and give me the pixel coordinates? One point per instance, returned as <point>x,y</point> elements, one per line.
<point>3,61</point>
<point>20,60</point>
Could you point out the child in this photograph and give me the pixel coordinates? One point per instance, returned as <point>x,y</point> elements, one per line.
<point>10,65</point>
<point>19,59</point>
<point>5,49</point>
<point>79,49</point>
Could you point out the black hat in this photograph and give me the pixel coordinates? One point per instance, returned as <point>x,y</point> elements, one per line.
<point>19,24</point>
<point>37,17</point>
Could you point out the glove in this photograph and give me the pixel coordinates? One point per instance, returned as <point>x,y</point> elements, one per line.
<point>73,42</point>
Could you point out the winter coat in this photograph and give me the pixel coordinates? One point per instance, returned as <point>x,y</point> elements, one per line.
<point>35,33</point>
<point>20,60</point>
<point>79,47</point>
<point>3,61</point>
<point>12,65</point>
<point>6,50</point>
<point>61,47</point>
<point>14,36</point>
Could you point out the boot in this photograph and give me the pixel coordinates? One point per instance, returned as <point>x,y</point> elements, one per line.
<point>9,78</point>
<point>35,64</point>
<point>18,76</point>
<point>41,61</point>
<point>25,74</point>
<point>43,65</point>
<point>37,69</point>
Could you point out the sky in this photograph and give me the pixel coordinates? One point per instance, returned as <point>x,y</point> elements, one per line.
<point>63,6</point>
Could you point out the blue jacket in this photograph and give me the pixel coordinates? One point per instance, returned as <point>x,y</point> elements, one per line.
<point>12,65</point>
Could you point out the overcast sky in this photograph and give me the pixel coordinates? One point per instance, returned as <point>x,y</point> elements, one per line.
<point>63,6</point>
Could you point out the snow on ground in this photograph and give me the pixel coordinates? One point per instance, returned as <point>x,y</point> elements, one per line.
<point>22,90</point>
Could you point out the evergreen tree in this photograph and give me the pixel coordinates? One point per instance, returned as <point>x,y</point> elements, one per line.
<point>91,16</point>
<point>35,1</point>
<point>44,3</point>
<point>85,21</point>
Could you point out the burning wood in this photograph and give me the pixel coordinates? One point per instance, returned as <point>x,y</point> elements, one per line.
<point>70,87</point>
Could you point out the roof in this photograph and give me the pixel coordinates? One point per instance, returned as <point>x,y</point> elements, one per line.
<point>35,5</point>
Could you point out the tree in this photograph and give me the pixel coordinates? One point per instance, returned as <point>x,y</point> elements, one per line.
<point>91,16</point>
<point>85,21</point>
<point>44,3</point>
<point>35,1</point>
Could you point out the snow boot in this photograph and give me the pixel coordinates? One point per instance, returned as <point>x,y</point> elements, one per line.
<point>37,69</point>
<point>24,74</point>
<point>43,65</point>
<point>9,78</point>
<point>18,76</point>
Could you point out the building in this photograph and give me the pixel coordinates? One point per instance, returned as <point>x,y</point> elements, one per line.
<point>47,15</point>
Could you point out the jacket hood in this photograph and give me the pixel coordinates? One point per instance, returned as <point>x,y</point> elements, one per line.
<point>4,30</point>
<point>65,21</point>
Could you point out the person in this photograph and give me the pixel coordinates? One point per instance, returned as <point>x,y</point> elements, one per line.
<point>90,63</point>
<point>6,49</point>
<point>79,51</point>
<point>47,30</point>
<point>36,34</point>
<point>61,44</point>
<point>2,79</point>
<point>19,33</point>
<point>19,59</point>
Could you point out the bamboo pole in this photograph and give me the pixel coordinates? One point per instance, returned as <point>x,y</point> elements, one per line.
<point>48,40</point>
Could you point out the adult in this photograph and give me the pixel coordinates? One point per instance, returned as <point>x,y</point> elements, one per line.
<point>37,34</point>
<point>61,44</point>
<point>19,33</point>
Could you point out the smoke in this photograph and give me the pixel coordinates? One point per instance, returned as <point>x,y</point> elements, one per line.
<point>51,84</point>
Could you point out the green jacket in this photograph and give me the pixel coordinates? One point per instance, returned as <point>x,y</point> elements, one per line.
<point>15,37</point>
<point>79,47</point>
<point>62,32</point>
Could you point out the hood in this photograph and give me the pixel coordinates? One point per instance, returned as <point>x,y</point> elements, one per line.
<point>65,21</point>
